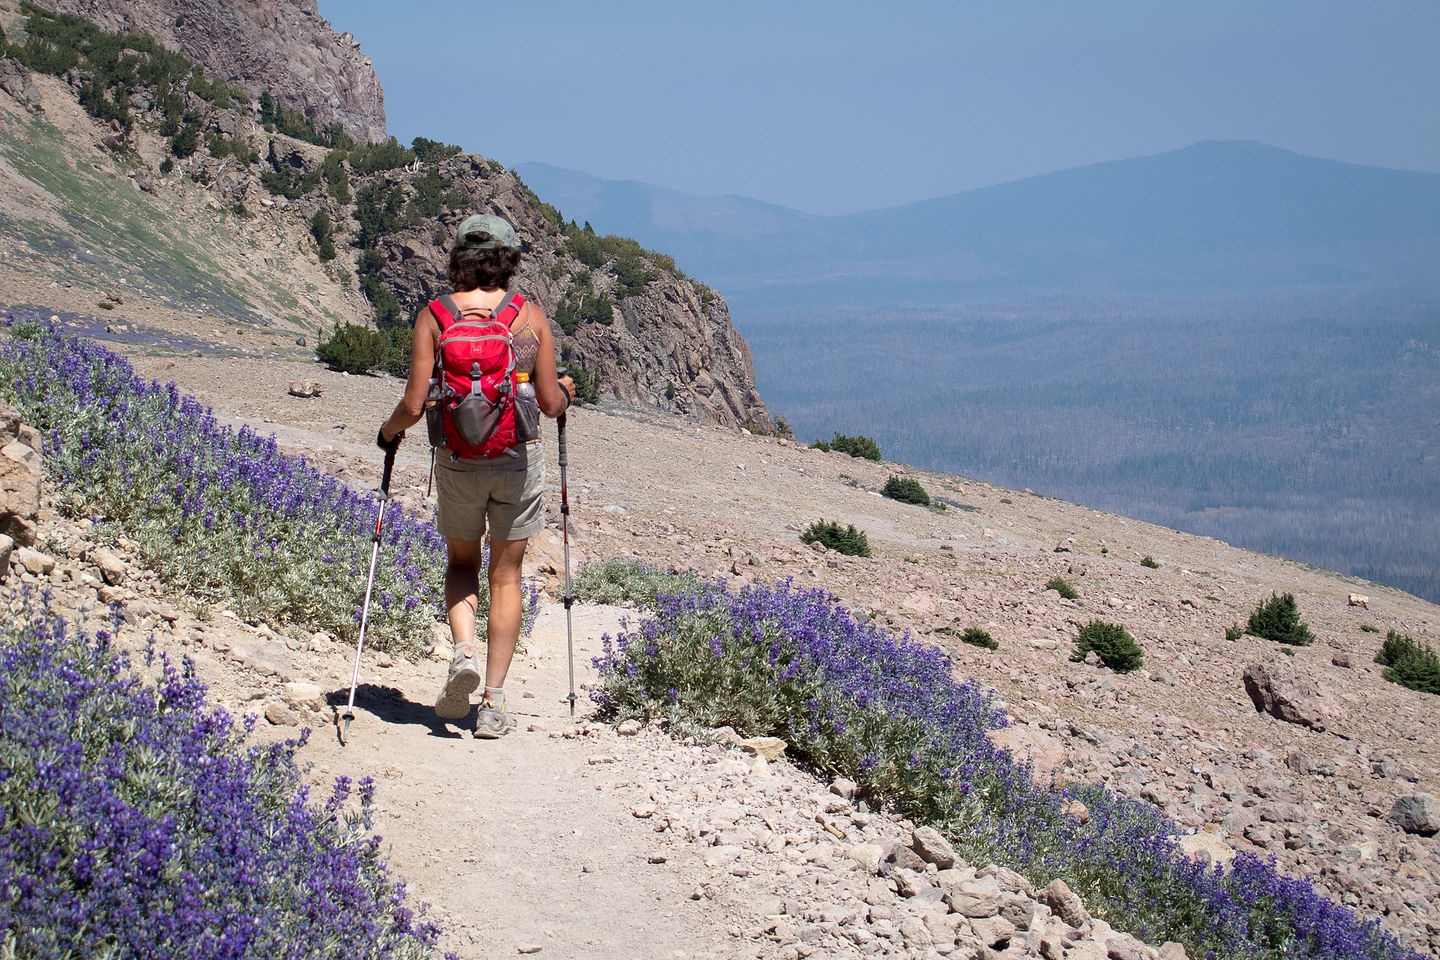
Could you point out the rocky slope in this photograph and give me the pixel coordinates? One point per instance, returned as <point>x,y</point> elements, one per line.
<point>631,828</point>
<point>283,46</point>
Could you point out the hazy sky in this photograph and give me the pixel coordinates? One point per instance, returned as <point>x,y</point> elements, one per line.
<point>839,106</point>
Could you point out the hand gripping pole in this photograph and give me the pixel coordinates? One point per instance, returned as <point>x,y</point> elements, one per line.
<point>369,584</point>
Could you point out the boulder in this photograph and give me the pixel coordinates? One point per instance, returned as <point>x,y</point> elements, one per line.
<point>12,79</point>
<point>1206,847</point>
<point>111,567</point>
<point>19,485</point>
<point>9,423</point>
<point>299,695</point>
<point>1356,600</point>
<point>1418,813</point>
<point>1065,903</point>
<point>34,561</point>
<point>933,848</point>
<point>7,546</point>
<point>1280,690</point>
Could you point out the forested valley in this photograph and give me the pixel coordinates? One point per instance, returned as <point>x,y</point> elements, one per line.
<point>1303,426</point>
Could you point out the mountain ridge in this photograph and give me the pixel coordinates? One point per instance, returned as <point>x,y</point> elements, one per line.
<point>1217,216</point>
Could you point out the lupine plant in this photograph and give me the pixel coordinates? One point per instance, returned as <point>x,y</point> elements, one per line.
<point>221,514</point>
<point>887,713</point>
<point>138,822</point>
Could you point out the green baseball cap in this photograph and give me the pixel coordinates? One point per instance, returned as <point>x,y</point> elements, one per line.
<point>483,231</point>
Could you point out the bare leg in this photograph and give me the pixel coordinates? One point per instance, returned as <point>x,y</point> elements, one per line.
<point>462,584</point>
<point>506,557</point>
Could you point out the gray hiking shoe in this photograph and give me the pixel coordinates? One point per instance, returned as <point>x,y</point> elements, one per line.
<point>492,722</point>
<point>454,700</point>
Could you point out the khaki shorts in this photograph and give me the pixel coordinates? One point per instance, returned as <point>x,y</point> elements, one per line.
<point>504,492</point>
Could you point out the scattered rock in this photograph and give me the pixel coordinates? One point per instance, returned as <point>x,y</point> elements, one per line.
<point>1066,904</point>
<point>34,561</point>
<point>111,567</point>
<point>1280,690</point>
<point>771,748</point>
<point>1418,813</point>
<point>1356,600</point>
<point>932,847</point>
<point>280,715</point>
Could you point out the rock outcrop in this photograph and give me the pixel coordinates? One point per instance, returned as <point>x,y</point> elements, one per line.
<point>283,46</point>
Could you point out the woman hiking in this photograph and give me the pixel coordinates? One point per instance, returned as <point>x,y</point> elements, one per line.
<point>493,483</point>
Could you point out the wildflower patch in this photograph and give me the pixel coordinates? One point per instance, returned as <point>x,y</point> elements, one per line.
<point>221,514</point>
<point>888,714</point>
<point>138,822</point>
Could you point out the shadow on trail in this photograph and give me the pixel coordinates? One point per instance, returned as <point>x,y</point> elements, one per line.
<point>390,705</point>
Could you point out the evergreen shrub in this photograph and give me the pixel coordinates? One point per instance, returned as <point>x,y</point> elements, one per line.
<point>1112,642</point>
<point>846,540</point>
<point>1278,619</point>
<point>1150,563</point>
<point>1062,586</point>
<point>906,490</point>
<point>860,447</point>
<point>1409,663</point>
<point>352,349</point>
<point>977,637</point>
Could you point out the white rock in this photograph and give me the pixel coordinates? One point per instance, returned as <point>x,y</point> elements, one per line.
<point>34,561</point>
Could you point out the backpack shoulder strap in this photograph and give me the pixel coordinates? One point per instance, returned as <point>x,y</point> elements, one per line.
<point>447,306</point>
<point>511,299</point>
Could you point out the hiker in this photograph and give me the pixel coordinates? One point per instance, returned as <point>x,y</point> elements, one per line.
<point>495,484</point>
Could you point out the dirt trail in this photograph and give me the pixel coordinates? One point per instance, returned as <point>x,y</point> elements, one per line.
<point>527,841</point>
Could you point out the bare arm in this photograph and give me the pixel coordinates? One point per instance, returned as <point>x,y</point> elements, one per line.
<point>553,394</point>
<point>422,366</point>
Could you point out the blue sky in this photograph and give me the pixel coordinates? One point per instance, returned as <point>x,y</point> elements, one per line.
<point>835,107</point>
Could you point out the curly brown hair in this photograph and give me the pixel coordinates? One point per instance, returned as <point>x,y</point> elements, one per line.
<point>489,268</point>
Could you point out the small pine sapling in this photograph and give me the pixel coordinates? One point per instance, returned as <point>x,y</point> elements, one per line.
<point>1278,619</point>
<point>977,637</point>
<point>1062,586</point>
<point>1112,643</point>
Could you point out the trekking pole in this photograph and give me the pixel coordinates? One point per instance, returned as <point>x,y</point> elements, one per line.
<point>370,582</point>
<point>565,537</point>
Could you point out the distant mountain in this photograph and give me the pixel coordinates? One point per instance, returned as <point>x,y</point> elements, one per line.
<point>1216,217</point>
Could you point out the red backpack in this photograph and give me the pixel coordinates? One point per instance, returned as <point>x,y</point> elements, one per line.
<point>472,408</point>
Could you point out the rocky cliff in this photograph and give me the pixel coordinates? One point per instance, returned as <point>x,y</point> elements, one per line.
<point>283,46</point>
<point>667,341</point>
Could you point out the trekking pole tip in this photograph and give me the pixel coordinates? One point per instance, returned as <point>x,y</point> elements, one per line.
<point>345,733</point>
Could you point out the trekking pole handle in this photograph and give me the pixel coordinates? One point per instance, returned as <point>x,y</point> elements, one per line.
<point>385,472</point>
